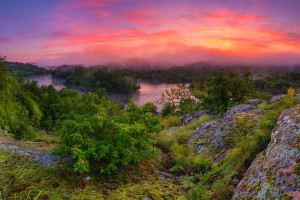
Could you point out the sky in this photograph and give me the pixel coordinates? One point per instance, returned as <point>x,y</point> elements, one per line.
<point>156,32</point>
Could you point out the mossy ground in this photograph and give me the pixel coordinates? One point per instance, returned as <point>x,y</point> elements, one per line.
<point>20,178</point>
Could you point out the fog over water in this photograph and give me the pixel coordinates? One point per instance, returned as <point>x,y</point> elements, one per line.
<point>149,92</point>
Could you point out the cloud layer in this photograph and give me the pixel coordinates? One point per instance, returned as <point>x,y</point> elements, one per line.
<point>160,32</point>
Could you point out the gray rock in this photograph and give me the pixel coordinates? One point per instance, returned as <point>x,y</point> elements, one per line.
<point>34,154</point>
<point>191,116</point>
<point>276,98</point>
<point>273,174</point>
<point>255,101</point>
<point>239,109</point>
<point>146,198</point>
<point>200,130</point>
<point>210,138</point>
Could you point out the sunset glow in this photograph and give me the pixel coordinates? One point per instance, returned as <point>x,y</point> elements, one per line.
<point>160,32</point>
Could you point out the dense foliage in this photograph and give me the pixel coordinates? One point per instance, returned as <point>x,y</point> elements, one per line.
<point>109,135</point>
<point>90,128</point>
<point>93,79</point>
<point>222,91</point>
<point>21,70</point>
<point>18,113</point>
<point>225,90</point>
<point>278,84</point>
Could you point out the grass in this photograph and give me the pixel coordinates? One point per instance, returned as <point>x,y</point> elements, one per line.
<point>46,138</point>
<point>181,154</point>
<point>171,121</point>
<point>218,182</point>
<point>21,178</point>
<point>167,137</point>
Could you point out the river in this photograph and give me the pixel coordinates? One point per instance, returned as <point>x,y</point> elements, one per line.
<point>149,92</point>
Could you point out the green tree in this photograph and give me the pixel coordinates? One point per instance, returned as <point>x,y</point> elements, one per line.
<point>227,89</point>
<point>3,71</point>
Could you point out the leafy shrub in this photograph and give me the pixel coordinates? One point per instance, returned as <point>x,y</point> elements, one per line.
<point>179,101</point>
<point>269,120</point>
<point>262,95</point>
<point>5,131</point>
<point>149,107</point>
<point>113,138</point>
<point>264,106</point>
<point>201,164</point>
<point>168,109</point>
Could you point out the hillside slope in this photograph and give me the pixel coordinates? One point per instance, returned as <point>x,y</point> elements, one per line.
<point>274,174</point>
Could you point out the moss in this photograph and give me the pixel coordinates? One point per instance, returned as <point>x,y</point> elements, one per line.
<point>257,186</point>
<point>20,177</point>
<point>286,197</point>
<point>297,169</point>
<point>295,145</point>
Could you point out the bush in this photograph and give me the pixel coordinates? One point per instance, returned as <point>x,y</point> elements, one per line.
<point>201,164</point>
<point>149,107</point>
<point>269,120</point>
<point>168,109</point>
<point>262,95</point>
<point>264,106</point>
<point>113,138</point>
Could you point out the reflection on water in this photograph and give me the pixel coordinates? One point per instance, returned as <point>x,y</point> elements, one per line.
<point>149,92</point>
<point>47,80</point>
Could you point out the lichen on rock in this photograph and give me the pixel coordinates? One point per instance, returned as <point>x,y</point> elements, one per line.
<point>275,171</point>
<point>211,139</point>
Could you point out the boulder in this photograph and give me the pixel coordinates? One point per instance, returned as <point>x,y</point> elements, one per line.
<point>276,98</point>
<point>255,102</point>
<point>275,173</point>
<point>210,138</point>
<point>186,119</point>
<point>239,109</point>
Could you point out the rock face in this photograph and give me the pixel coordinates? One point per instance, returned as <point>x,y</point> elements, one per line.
<point>211,139</point>
<point>190,117</point>
<point>255,101</point>
<point>33,151</point>
<point>275,173</point>
<point>239,109</point>
<point>276,98</point>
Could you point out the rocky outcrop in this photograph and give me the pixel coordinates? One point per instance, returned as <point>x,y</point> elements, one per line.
<point>34,151</point>
<point>275,173</point>
<point>211,139</point>
<point>186,119</point>
<point>239,109</point>
<point>276,98</point>
<point>255,102</point>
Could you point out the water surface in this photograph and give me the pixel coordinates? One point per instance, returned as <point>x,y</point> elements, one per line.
<point>149,92</point>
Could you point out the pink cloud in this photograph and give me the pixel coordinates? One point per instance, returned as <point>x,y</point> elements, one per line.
<point>91,32</point>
